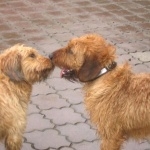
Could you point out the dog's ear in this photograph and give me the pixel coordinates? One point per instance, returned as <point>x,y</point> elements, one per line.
<point>11,66</point>
<point>89,70</point>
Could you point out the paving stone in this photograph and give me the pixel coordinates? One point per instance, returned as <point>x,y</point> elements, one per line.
<point>10,35</point>
<point>42,88</point>
<point>3,47</point>
<point>125,46</point>
<point>66,148</point>
<point>49,48</point>
<point>15,18</point>
<point>2,147</point>
<point>57,27</point>
<point>42,22</point>
<point>63,37</point>
<point>135,47</point>
<point>63,116</point>
<point>131,5</point>
<point>141,68</point>
<point>92,9</point>
<point>147,15</point>
<point>55,74</point>
<point>37,122</point>
<point>103,15</point>
<point>7,11</point>
<point>78,132</point>
<point>145,25</point>
<point>134,18</point>
<point>127,28</point>
<point>121,51</point>
<point>27,146</point>
<point>31,31</point>
<point>11,42</point>
<point>62,84</point>
<point>22,24</point>
<point>147,64</point>
<point>72,96</point>
<point>32,109</point>
<point>39,40</point>
<point>91,124</point>
<point>121,12</point>
<point>142,56</point>
<point>128,58</point>
<point>80,108</point>
<point>50,139</point>
<point>49,101</point>
<point>77,27</point>
<point>112,7</point>
<point>17,4</point>
<point>25,10</point>
<point>87,145</point>
<point>144,3</point>
<point>83,3</point>
<point>142,145</point>
<point>138,38</point>
<point>139,10</point>
<point>117,40</point>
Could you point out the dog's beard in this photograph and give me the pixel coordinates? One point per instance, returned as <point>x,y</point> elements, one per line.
<point>69,75</point>
<point>44,74</point>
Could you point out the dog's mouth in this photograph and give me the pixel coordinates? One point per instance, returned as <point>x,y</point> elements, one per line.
<point>68,74</point>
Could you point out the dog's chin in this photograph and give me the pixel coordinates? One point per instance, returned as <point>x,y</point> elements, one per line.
<point>69,74</point>
<point>44,74</point>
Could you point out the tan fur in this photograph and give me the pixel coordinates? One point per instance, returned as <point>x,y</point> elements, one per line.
<point>20,68</point>
<point>118,102</point>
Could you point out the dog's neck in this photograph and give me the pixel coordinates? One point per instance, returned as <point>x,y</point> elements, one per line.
<point>106,69</point>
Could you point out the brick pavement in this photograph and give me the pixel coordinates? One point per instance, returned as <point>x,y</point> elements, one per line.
<point>57,119</point>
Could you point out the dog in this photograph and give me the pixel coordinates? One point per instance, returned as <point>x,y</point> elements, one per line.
<point>117,100</point>
<point>20,68</point>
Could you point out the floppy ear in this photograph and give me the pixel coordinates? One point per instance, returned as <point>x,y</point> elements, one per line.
<point>11,66</point>
<point>89,70</point>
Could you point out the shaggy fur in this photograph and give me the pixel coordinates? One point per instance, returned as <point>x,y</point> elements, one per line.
<point>118,101</point>
<point>20,68</point>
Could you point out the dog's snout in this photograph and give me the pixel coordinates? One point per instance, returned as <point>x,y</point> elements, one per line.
<point>51,56</point>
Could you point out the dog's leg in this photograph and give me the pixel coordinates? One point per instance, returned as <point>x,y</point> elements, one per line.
<point>112,144</point>
<point>13,142</point>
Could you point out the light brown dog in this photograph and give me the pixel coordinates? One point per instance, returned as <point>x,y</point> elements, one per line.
<point>20,68</point>
<point>118,101</point>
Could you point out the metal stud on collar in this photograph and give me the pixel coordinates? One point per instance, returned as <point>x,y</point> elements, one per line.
<point>111,66</point>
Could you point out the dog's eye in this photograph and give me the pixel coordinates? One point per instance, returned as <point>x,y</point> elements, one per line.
<point>32,55</point>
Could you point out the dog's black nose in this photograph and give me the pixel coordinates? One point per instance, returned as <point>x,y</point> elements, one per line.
<point>51,56</point>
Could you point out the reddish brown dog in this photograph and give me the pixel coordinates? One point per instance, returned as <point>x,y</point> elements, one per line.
<point>118,101</point>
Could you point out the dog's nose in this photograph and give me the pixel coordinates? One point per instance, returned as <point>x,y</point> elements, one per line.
<point>51,56</point>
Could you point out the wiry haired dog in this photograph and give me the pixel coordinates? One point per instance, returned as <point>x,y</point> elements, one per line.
<point>20,68</point>
<point>118,101</point>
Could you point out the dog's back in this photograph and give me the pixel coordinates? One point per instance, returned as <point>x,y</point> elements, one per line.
<point>120,101</point>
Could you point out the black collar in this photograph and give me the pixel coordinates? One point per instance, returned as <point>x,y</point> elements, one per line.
<point>105,70</point>
<point>108,68</point>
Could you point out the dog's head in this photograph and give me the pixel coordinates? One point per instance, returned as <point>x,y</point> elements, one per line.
<point>84,57</point>
<point>21,63</point>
